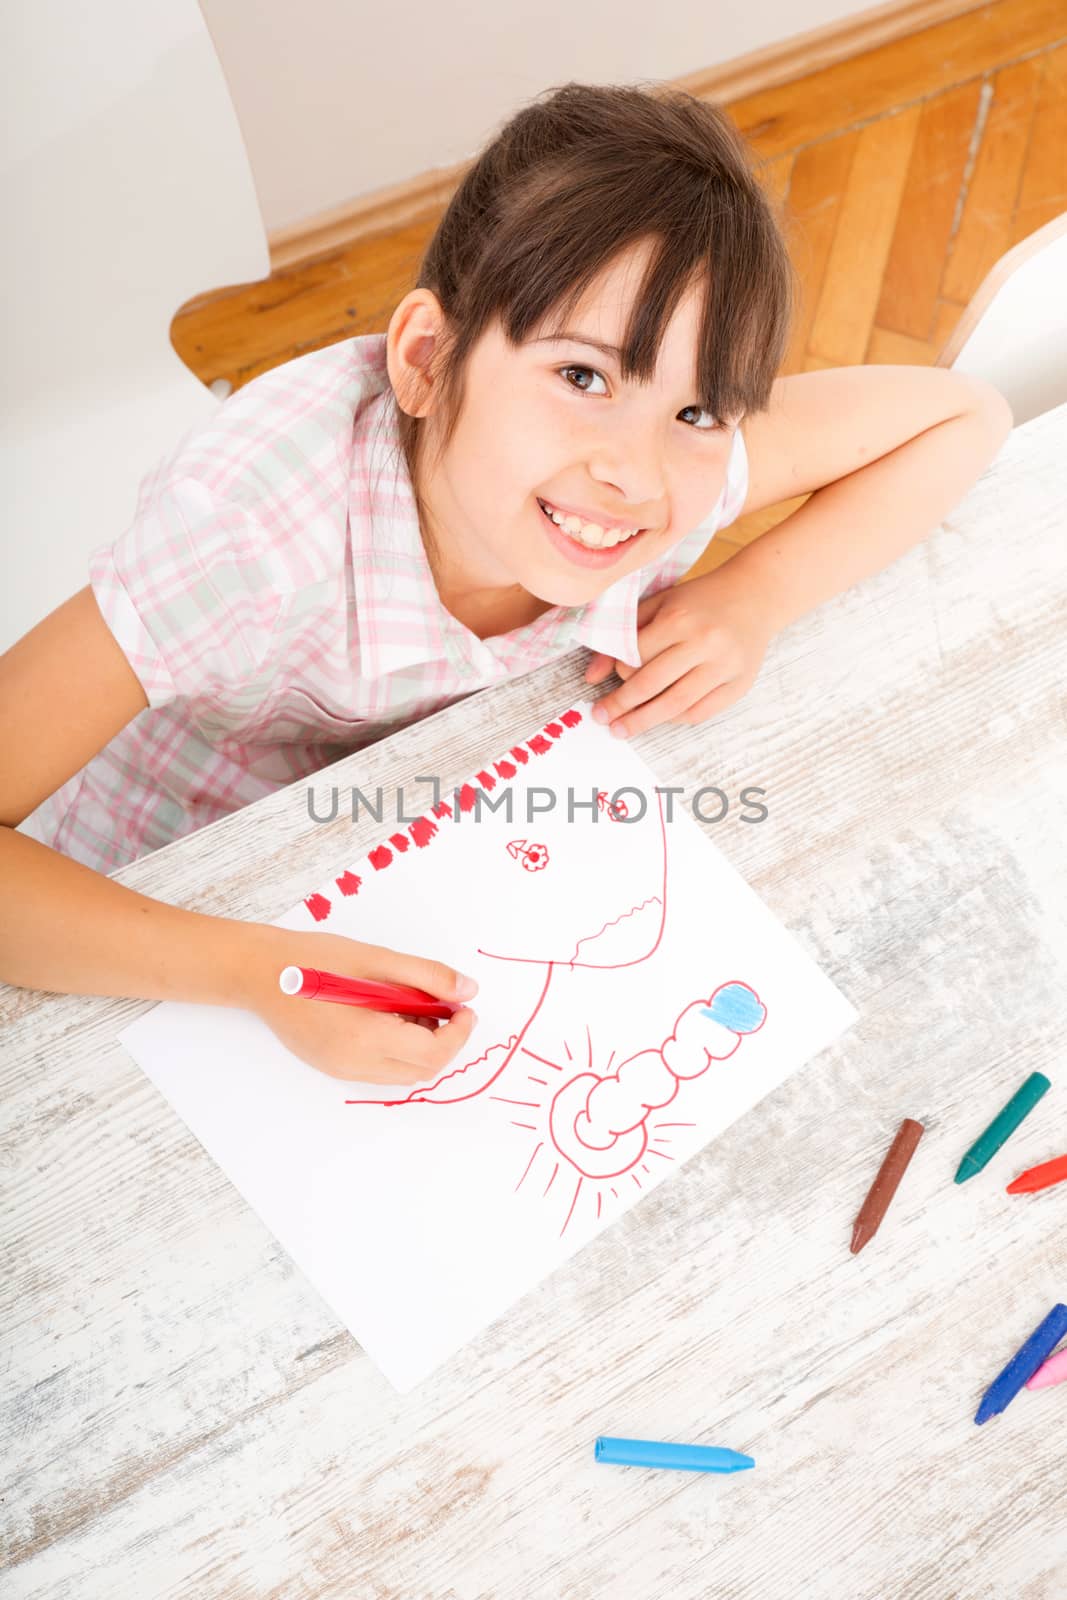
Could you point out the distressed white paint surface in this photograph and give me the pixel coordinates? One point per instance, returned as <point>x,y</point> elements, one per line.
<point>183,1417</point>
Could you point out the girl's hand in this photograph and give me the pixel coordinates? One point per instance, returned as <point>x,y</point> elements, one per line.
<point>701,644</point>
<point>350,1042</point>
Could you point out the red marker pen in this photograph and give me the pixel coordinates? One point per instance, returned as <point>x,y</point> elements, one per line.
<point>308,983</point>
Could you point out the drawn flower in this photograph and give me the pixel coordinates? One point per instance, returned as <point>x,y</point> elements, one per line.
<point>534,857</point>
<point>616,809</point>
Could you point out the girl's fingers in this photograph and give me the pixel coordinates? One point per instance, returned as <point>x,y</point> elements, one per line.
<point>672,704</point>
<point>393,1071</point>
<point>650,605</point>
<point>394,1039</point>
<point>598,668</point>
<point>711,704</point>
<point>655,676</point>
<point>416,972</point>
<point>401,1073</point>
<point>382,1048</point>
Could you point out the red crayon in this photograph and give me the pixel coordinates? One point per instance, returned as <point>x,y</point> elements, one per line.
<point>1043,1177</point>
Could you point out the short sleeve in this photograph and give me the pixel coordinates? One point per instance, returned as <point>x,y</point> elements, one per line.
<point>735,488</point>
<point>191,591</point>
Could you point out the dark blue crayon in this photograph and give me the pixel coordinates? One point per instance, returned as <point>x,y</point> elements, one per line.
<point>657,1453</point>
<point>1023,1364</point>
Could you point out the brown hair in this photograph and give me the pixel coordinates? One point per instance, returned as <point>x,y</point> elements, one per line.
<point>565,186</point>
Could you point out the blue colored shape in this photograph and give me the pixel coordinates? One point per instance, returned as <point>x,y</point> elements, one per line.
<point>659,1453</point>
<point>737,1008</point>
<point>1023,1364</point>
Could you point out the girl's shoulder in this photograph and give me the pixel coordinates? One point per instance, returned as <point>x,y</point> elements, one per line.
<point>239,541</point>
<point>266,480</point>
<point>290,425</point>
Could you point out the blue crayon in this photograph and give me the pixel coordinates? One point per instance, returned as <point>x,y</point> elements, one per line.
<point>687,1457</point>
<point>1023,1364</point>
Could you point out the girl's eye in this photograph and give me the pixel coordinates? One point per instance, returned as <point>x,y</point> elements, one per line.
<point>579,386</point>
<point>701,427</point>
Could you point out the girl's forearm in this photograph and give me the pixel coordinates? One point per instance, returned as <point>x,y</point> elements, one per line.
<point>71,930</point>
<point>852,528</point>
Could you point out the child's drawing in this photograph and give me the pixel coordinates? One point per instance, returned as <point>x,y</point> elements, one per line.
<point>616,809</point>
<point>636,999</point>
<point>593,1122</point>
<point>534,857</point>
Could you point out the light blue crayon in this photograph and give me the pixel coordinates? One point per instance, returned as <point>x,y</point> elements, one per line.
<point>687,1457</point>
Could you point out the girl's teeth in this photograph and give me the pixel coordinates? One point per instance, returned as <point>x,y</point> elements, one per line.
<point>589,533</point>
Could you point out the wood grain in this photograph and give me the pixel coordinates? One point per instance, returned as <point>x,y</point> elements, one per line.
<point>926,215</point>
<point>901,349</point>
<point>877,82</point>
<point>774,177</point>
<point>985,229</point>
<point>847,300</point>
<point>820,180</point>
<point>185,1418</point>
<point>1043,189</point>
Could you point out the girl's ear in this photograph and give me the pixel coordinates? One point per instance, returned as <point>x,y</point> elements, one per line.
<point>416,329</point>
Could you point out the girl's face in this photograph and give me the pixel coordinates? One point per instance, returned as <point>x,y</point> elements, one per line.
<point>555,422</point>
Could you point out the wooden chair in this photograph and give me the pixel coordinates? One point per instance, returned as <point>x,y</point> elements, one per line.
<point>1014,331</point>
<point>125,191</point>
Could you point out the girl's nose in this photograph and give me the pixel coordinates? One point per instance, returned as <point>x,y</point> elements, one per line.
<point>630,471</point>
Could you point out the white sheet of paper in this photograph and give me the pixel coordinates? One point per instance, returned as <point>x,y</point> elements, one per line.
<point>636,997</point>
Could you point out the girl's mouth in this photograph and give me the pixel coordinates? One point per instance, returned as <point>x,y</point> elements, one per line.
<point>584,555</point>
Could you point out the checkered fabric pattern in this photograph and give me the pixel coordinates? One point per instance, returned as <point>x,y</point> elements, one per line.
<point>273,596</point>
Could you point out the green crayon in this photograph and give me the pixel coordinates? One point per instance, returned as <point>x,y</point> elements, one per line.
<point>1002,1126</point>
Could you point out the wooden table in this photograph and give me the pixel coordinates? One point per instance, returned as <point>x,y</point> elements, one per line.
<point>184,1416</point>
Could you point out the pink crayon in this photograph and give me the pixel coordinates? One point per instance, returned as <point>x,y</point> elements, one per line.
<point>1054,1370</point>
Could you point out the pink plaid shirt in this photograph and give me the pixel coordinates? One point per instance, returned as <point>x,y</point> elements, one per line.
<point>274,599</point>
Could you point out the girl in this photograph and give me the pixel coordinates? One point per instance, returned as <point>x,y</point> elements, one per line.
<point>579,392</point>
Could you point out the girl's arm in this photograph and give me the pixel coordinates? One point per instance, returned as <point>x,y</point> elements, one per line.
<point>884,453</point>
<point>66,689</point>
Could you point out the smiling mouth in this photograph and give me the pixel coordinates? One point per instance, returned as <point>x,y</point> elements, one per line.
<point>588,554</point>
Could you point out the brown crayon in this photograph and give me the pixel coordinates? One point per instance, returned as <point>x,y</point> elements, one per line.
<point>885,1184</point>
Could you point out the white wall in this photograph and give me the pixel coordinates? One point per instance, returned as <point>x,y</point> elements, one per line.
<point>124,189</point>
<point>337,99</point>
